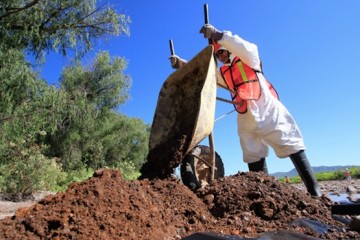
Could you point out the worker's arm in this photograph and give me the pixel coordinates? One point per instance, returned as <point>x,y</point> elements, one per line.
<point>176,61</point>
<point>246,51</point>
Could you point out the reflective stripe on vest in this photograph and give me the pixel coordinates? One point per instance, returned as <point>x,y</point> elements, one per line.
<point>245,82</point>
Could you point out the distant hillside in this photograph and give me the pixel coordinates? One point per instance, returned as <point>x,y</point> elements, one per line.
<point>293,172</point>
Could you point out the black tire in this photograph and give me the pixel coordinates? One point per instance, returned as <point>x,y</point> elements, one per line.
<point>195,173</point>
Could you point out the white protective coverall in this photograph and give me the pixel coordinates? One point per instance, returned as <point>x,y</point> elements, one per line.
<point>267,121</point>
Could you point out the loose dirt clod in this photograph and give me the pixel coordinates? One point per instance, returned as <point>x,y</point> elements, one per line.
<point>108,207</point>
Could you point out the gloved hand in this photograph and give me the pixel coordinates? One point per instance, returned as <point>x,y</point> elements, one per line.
<point>211,32</point>
<point>176,61</point>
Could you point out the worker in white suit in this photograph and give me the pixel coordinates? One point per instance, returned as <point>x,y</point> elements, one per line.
<point>262,119</point>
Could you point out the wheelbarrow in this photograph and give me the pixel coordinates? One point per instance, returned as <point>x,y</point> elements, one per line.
<point>183,118</point>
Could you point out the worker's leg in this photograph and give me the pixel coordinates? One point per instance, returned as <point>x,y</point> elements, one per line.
<point>283,143</point>
<point>254,152</point>
<point>254,149</point>
<point>259,166</point>
<point>303,167</point>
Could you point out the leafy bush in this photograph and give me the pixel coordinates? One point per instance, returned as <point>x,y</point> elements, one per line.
<point>327,176</point>
<point>128,170</point>
<point>2,179</point>
<point>355,171</point>
<point>29,172</point>
<point>73,176</point>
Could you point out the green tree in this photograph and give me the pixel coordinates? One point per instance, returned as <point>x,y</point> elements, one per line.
<point>103,84</point>
<point>18,83</point>
<point>126,140</point>
<point>45,130</point>
<point>94,135</point>
<point>41,26</point>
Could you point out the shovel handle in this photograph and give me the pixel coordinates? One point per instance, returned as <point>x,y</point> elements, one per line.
<point>206,18</point>
<point>172,51</point>
<point>206,13</point>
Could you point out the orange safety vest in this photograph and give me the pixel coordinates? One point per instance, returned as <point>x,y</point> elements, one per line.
<point>244,81</point>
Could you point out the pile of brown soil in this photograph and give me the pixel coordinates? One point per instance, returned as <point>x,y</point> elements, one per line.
<point>108,207</point>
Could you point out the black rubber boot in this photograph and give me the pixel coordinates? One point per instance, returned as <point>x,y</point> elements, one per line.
<point>259,166</point>
<point>304,169</point>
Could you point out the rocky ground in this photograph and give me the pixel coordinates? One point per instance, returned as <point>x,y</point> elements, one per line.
<point>245,206</point>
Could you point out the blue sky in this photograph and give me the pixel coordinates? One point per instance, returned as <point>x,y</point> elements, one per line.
<point>310,52</point>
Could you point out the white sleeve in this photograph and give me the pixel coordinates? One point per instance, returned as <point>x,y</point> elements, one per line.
<point>246,51</point>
